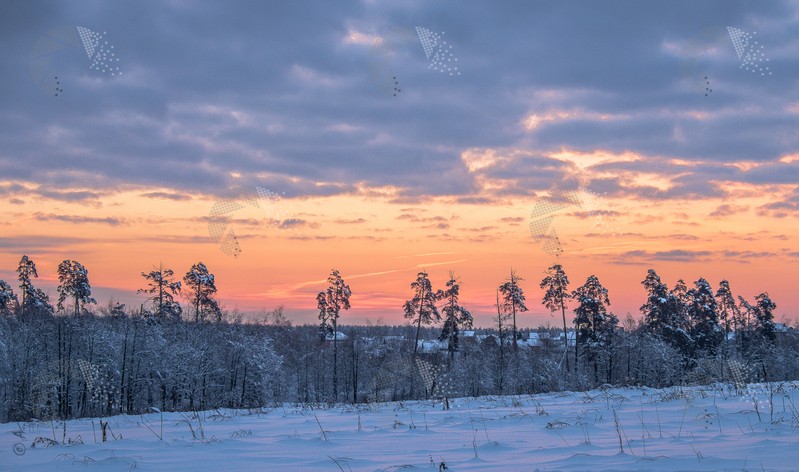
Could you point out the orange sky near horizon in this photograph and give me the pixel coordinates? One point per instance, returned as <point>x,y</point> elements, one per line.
<point>379,246</point>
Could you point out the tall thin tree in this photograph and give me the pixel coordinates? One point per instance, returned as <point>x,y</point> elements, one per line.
<point>729,314</point>
<point>513,301</point>
<point>556,285</point>
<point>421,309</point>
<point>455,316</point>
<point>334,299</point>
<point>33,299</point>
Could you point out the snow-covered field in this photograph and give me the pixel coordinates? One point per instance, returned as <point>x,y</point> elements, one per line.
<point>697,428</point>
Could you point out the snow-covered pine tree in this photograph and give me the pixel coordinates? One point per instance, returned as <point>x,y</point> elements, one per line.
<point>455,316</point>
<point>656,315</point>
<point>729,314</point>
<point>334,299</point>
<point>34,300</point>
<point>703,313</point>
<point>763,335</point>
<point>73,279</point>
<point>202,287</point>
<point>25,271</point>
<point>556,293</point>
<point>663,313</point>
<point>325,327</point>
<point>680,292</point>
<point>765,317</point>
<point>162,287</point>
<point>8,299</point>
<point>513,301</point>
<point>593,324</point>
<point>421,309</point>
<point>747,322</point>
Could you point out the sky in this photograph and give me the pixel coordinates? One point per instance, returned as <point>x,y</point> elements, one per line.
<point>276,141</point>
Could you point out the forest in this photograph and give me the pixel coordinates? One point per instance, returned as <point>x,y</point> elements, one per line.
<point>79,359</point>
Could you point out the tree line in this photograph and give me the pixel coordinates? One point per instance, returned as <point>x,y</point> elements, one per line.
<point>78,359</point>
<point>73,285</point>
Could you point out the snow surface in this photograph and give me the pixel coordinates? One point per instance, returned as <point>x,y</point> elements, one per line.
<point>695,428</point>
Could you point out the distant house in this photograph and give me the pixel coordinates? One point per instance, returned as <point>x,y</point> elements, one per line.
<point>533,340</point>
<point>781,328</point>
<point>339,336</point>
<point>428,346</point>
<point>571,338</point>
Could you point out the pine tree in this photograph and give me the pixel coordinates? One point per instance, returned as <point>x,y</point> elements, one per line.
<point>513,301</point>
<point>759,340</point>
<point>455,315</point>
<point>331,302</point>
<point>325,327</point>
<point>680,292</point>
<point>729,314</point>
<point>73,281</point>
<point>748,317</point>
<point>202,287</point>
<point>663,313</point>
<point>8,299</point>
<point>33,299</point>
<point>593,324</point>
<point>703,313</point>
<point>161,285</point>
<point>655,310</point>
<point>765,317</point>
<point>556,293</point>
<point>421,309</point>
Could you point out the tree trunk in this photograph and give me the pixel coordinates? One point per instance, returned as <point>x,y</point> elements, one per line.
<point>565,336</point>
<point>419,322</point>
<point>335,356</point>
<point>354,373</point>
<point>513,308</point>
<point>576,345</point>
<point>243,386</point>
<point>124,365</point>
<point>515,342</point>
